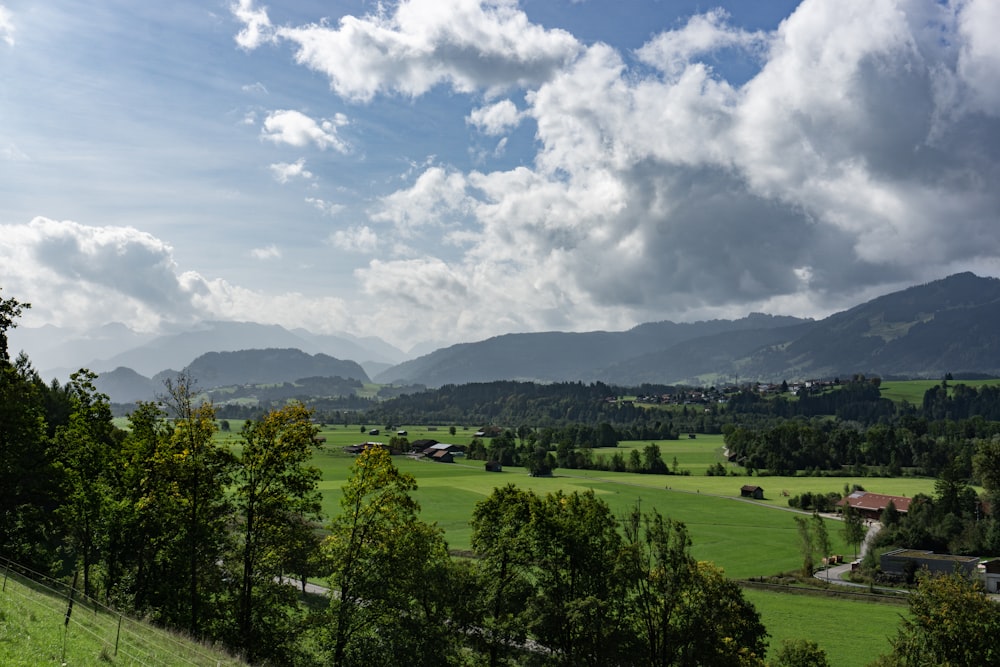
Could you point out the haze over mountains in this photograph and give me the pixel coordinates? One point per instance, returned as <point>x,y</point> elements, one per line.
<point>949,325</point>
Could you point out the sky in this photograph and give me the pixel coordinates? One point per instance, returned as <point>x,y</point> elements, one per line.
<point>450,170</point>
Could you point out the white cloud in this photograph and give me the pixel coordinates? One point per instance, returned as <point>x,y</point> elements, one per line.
<point>286,171</point>
<point>979,60</point>
<point>266,253</point>
<point>673,51</point>
<point>7,27</point>
<point>297,129</point>
<point>71,271</point>
<point>257,28</point>
<point>255,88</point>
<point>355,239</point>
<point>437,198</point>
<point>467,44</point>
<point>495,119</point>
<point>839,168</point>
<point>325,207</point>
<point>79,276</point>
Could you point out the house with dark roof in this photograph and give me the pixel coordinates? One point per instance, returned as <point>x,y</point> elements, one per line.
<point>871,505</point>
<point>442,456</point>
<point>904,563</point>
<point>752,491</point>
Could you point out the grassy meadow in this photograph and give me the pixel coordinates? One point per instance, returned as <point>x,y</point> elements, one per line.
<point>746,538</point>
<point>851,632</point>
<point>912,391</point>
<point>33,631</point>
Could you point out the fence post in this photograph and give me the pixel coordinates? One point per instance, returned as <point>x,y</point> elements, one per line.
<point>118,634</point>
<point>69,612</point>
<point>6,571</point>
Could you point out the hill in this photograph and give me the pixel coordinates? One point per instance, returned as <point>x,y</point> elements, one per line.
<point>57,352</point>
<point>948,325</point>
<point>223,369</point>
<point>220,369</point>
<point>557,356</point>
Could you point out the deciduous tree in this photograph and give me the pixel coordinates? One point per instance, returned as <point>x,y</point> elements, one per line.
<point>275,496</point>
<point>952,622</point>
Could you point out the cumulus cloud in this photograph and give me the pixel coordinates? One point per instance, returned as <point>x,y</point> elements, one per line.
<point>862,154</point>
<point>286,171</point>
<point>673,51</point>
<point>6,26</point>
<point>79,276</point>
<point>437,198</point>
<point>495,119</point>
<point>85,272</point>
<point>297,129</point>
<point>257,28</point>
<point>467,44</point>
<point>355,239</point>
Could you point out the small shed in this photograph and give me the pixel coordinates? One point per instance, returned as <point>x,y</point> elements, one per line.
<point>401,433</point>
<point>374,431</point>
<point>493,466</point>
<point>443,456</point>
<point>752,491</point>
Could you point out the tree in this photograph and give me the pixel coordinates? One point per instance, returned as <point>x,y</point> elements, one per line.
<point>275,498</point>
<point>380,552</point>
<point>800,653</point>
<point>952,622</point>
<point>805,545</point>
<point>821,538</point>
<point>684,612</point>
<point>854,528</point>
<point>200,472</point>
<point>578,609</point>
<point>501,539</point>
<point>28,493</point>
<point>85,452</point>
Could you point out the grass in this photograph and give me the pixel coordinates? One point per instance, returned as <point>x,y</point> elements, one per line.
<point>851,632</point>
<point>33,631</point>
<point>912,391</point>
<point>745,538</point>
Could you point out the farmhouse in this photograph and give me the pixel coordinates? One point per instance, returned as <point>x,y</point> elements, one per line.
<point>357,449</point>
<point>752,491</point>
<point>442,456</point>
<point>990,574</point>
<point>871,505</point>
<point>493,466</point>
<point>905,562</point>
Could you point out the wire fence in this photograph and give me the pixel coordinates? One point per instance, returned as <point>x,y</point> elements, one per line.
<point>124,639</point>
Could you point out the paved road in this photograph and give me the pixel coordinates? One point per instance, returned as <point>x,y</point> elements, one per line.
<point>836,574</point>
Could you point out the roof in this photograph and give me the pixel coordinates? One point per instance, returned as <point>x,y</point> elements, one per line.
<point>750,487</point>
<point>922,554</point>
<point>874,502</point>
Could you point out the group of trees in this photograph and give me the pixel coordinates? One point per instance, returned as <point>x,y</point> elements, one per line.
<point>556,580</point>
<point>911,444</point>
<point>161,519</point>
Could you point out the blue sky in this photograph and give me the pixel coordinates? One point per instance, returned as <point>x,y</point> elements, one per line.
<point>448,170</point>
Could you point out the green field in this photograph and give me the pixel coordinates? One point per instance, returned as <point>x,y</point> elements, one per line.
<point>912,391</point>
<point>34,631</point>
<point>745,538</point>
<point>852,632</point>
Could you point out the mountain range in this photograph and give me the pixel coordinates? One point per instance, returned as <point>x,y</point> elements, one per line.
<point>949,325</point>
